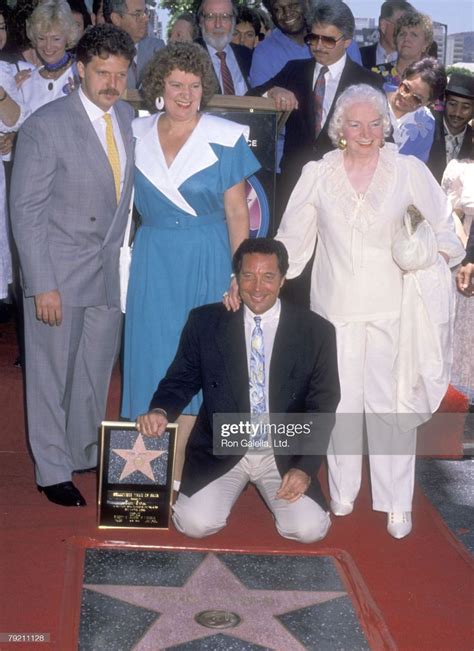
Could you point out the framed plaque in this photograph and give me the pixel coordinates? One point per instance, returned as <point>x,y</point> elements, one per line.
<point>135,477</point>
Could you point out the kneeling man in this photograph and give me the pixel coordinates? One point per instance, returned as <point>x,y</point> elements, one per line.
<point>265,357</point>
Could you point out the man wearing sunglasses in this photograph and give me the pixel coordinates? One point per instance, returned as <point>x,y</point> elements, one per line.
<point>286,41</point>
<point>312,86</point>
<point>132,16</point>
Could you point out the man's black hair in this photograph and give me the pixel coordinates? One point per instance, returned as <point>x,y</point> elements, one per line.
<point>265,246</point>
<point>104,41</point>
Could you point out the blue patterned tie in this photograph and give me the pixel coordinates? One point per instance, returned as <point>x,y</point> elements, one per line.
<point>257,375</point>
<point>319,90</point>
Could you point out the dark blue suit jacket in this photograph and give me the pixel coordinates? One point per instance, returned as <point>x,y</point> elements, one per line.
<point>212,357</point>
<point>368,55</point>
<point>437,158</point>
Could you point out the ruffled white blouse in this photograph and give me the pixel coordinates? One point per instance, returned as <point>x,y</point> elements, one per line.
<point>354,276</point>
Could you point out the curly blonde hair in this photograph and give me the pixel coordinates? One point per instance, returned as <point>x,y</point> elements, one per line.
<point>415,19</point>
<point>50,15</point>
<point>187,57</point>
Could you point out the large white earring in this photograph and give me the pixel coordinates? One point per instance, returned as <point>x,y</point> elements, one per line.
<point>160,103</point>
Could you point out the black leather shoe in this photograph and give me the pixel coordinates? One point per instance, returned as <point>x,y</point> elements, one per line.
<point>65,494</point>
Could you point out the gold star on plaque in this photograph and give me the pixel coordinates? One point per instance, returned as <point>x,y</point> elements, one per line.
<point>138,459</point>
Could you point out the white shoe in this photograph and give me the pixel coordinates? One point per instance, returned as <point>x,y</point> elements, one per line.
<point>339,508</point>
<point>399,524</point>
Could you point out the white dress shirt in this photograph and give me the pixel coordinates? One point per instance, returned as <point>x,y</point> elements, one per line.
<point>269,325</point>
<point>332,78</point>
<point>96,116</point>
<point>453,143</point>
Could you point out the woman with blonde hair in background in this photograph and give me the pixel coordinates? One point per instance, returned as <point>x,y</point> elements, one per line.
<point>52,31</point>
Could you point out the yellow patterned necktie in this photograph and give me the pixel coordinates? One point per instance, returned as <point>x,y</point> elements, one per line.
<point>112,153</point>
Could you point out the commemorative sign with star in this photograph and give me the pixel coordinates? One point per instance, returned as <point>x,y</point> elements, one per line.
<point>135,477</point>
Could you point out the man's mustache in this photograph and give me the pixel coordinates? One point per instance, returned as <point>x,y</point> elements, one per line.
<point>109,91</point>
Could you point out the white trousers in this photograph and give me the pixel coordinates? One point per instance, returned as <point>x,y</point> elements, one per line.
<point>366,353</point>
<point>206,512</point>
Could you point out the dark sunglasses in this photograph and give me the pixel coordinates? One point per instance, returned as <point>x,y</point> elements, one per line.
<point>328,41</point>
<point>412,97</point>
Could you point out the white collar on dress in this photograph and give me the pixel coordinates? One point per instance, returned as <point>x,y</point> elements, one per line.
<point>195,155</point>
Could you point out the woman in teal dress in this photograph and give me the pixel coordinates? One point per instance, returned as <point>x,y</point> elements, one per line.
<point>189,192</point>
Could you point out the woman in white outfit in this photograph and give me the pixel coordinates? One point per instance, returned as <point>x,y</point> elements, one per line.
<point>353,202</point>
<point>52,30</point>
<point>12,115</point>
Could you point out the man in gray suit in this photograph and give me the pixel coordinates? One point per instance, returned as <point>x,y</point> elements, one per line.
<point>70,198</point>
<point>132,16</point>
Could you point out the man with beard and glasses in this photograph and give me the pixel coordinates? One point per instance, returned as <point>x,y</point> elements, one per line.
<point>231,62</point>
<point>70,197</point>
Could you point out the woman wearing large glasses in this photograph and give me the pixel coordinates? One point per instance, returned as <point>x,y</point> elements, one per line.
<point>413,123</point>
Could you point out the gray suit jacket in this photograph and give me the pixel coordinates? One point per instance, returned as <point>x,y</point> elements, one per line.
<point>65,219</point>
<point>146,48</point>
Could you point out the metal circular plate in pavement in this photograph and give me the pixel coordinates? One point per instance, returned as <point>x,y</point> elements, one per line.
<point>217,619</point>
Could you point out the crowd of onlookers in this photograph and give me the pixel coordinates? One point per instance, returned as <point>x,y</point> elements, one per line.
<point>38,39</point>
<point>430,115</point>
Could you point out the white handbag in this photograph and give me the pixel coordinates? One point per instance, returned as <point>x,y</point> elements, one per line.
<point>125,258</point>
<point>423,364</point>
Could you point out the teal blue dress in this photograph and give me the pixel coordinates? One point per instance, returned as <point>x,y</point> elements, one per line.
<point>181,254</point>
